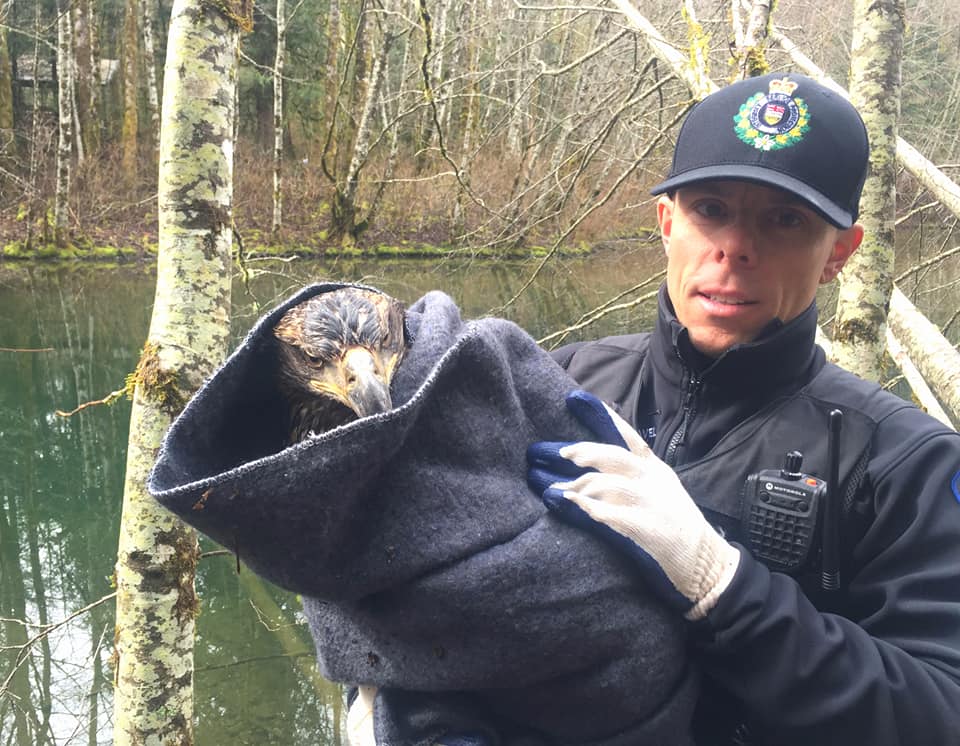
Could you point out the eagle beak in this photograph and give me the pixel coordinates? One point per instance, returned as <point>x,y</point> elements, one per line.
<point>367,392</point>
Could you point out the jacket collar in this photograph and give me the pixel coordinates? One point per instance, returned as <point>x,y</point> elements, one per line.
<point>782,352</point>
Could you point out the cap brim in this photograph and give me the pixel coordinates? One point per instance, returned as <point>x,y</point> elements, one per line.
<point>831,212</point>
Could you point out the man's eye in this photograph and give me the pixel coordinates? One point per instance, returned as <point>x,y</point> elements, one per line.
<point>710,209</point>
<point>788,219</point>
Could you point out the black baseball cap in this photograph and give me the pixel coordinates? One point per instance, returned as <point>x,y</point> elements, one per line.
<point>783,130</point>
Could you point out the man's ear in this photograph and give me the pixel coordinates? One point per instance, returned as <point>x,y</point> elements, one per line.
<point>847,242</point>
<point>665,220</point>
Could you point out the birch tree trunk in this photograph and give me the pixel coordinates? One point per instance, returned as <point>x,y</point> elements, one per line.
<point>129,54</point>
<point>859,338</point>
<point>157,555</point>
<point>749,57</point>
<point>278,121</point>
<point>937,360</point>
<point>698,85</point>
<point>74,112</point>
<point>148,14</point>
<point>65,131</point>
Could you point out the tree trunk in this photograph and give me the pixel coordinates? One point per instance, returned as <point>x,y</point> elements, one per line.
<point>65,131</point>
<point>698,85</point>
<point>335,44</point>
<point>278,121</point>
<point>33,199</point>
<point>859,338</point>
<point>6,84</point>
<point>130,63</point>
<point>515,141</point>
<point>698,45</point>
<point>148,13</point>
<point>749,57</point>
<point>936,359</point>
<point>344,207</point>
<point>23,728</point>
<point>72,82</point>
<point>922,393</point>
<point>386,115</point>
<point>87,79</point>
<point>189,329</point>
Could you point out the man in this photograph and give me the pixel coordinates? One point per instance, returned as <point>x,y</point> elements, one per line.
<point>803,635</point>
<point>758,210</point>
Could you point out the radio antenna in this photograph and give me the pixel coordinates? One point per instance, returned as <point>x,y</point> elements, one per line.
<point>830,557</point>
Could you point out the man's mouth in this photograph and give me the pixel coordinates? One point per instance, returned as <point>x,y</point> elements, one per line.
<point>726,300</point>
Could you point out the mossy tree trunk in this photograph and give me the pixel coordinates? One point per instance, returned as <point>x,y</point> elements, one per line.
<point>859,337</point>
<point>749,56</point>
<point>156,559</point>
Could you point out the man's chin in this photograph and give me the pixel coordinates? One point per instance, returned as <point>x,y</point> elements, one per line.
<point>713,342</point>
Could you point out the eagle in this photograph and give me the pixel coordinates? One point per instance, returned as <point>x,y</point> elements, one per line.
<point>338,352</point>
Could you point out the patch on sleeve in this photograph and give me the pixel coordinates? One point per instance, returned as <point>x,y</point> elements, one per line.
<point>955,485</point>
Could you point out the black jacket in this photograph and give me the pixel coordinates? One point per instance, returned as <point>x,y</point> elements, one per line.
<point>877,662</point>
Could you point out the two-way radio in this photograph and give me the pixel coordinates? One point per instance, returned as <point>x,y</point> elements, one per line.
<point>782,511</point>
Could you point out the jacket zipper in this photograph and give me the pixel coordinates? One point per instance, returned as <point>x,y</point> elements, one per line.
<point>689,412</point>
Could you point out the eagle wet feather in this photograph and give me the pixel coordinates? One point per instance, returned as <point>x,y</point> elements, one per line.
<point>338,352</point>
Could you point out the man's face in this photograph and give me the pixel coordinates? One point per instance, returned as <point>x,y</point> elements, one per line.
<point>740,255</point>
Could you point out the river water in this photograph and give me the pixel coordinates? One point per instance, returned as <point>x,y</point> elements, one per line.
<point>70,335</point>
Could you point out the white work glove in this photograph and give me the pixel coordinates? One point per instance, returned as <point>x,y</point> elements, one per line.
<point>622,492</point>
<point>360,718</point>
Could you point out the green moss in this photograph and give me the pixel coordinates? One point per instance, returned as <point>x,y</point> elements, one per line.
<point>155,382</point>
<point>14,250</point>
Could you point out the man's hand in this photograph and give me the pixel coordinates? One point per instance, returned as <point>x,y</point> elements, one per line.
<point>622,492</point>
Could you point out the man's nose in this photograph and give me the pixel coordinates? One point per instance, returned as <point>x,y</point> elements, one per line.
<point>738,244</point>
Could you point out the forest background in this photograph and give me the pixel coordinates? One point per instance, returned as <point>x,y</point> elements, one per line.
<point>524,126</point>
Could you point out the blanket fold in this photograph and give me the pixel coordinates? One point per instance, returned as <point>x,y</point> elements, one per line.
<point>425,562</point>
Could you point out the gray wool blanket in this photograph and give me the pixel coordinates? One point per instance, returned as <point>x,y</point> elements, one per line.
<point>425,563</point>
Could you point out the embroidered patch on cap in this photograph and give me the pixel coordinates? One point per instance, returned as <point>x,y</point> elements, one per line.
<point>773,120</point>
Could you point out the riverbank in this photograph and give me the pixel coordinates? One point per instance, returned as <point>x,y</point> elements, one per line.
<point>113,217</point>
